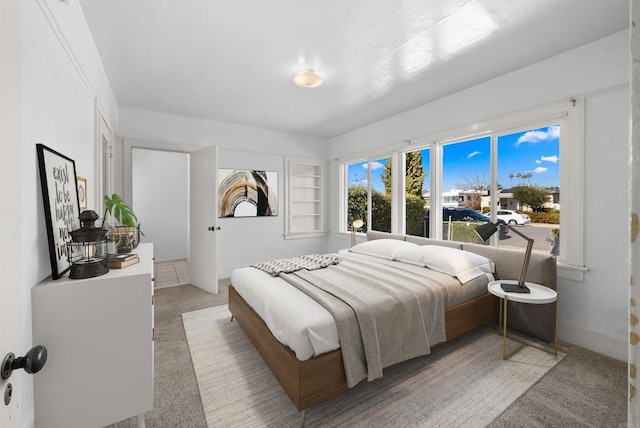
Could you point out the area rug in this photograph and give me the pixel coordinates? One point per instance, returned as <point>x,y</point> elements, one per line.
<point>465,383</point>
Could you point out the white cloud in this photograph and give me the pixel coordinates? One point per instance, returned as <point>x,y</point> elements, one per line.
<point>374,165</point>
<point>552,159</point>
<point>538,161</point>
<point>537,136</point>
<point>540,170</point>
<point>472,154</point>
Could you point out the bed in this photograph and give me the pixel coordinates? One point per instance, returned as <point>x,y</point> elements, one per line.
<point>311,376</point>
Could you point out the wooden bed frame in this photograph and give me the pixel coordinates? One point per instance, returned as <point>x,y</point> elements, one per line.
<point>319,378</point>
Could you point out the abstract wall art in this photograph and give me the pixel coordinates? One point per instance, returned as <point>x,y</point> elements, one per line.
<point>247,193</point>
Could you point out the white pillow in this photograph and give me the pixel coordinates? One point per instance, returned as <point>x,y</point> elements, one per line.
<point>389,249</point>
<point>464,265</point>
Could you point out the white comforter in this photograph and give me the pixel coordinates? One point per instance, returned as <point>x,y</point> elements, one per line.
<point>294,318</point>
<point>299,322</point>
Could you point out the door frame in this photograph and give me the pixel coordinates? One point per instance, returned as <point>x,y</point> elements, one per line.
<point>133,143</point>
<point>104,168</point>
<point>12,335</point>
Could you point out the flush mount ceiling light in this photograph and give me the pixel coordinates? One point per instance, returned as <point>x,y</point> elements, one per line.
<point>307,79</point>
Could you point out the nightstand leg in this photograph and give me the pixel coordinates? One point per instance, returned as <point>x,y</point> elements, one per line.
<point>500,318</point>
<point>504,328</point>
<point>506,355</point>
<point>555,344</point>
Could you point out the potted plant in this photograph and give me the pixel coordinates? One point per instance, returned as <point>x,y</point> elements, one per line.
<point>121,212</point>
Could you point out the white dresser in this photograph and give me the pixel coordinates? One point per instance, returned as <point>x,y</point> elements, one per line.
<point>99,336</point>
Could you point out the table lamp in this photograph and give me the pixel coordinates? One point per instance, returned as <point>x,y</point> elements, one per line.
<point>357,224</point>
<point>484,231</point>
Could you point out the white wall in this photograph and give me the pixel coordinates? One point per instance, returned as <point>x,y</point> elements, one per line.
<point>240,241</point>
<point>160,183</point>
<point>593,313</point>
<point>62,76</point>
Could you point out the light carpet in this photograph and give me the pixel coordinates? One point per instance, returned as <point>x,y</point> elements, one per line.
<point>464,383</point>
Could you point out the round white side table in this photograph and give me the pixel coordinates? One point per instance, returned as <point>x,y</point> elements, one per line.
<point>539,295</point>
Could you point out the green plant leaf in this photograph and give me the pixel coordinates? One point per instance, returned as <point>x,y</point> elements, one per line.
<point>120,211</point>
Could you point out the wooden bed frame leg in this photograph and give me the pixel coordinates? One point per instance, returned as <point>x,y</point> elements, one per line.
<point>231,320</point>
<point>303,414</point>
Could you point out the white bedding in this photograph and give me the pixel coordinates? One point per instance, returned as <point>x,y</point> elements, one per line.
<point>294,318</point>
<point>300,323</point>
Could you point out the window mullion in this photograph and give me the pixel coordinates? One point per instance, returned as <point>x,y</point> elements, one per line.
<point>493,186</point>
<point>398,174</point>
<point>369,198</point>
<point>435,208</point>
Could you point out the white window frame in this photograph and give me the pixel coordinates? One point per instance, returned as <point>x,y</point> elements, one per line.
<point>344,186</point>
<point>569,114</point>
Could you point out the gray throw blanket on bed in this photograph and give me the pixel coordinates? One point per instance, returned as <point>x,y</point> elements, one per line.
<point>309,262</point>
<point>384,314</point>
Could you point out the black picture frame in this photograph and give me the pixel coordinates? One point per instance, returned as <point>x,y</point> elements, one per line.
<point>61,204</point>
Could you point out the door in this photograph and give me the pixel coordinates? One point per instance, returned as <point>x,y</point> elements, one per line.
<point>11,305</point>
<point>104,160</point>
<point>203,214</point>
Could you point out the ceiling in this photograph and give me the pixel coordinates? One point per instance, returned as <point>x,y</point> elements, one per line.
<point>234,60</point>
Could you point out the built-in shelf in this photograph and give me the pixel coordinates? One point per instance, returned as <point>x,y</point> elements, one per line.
<point>304,198</point>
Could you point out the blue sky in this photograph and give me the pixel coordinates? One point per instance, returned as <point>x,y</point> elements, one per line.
<point>536,152</point>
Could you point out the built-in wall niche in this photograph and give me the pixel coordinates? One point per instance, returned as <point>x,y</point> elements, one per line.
<point>304,198</point>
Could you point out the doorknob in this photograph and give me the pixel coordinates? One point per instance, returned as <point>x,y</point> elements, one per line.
<point>32,362</point>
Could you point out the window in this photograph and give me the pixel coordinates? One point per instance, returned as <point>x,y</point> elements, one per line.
<point>465,186</point>
<point>417,191</point>
<point>482,167</point>
<point>369,186</point>
<point>529,186</point>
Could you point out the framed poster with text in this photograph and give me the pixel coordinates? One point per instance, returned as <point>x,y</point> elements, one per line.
<point>61,205</point>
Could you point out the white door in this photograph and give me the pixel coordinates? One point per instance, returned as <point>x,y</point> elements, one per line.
<point>104,161</point>
<point>11,313</point>
<point>203,216</point>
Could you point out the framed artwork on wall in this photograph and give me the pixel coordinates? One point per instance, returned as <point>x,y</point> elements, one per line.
<point>82,192</point>
<point>61,204</point>
<point>247,193</point>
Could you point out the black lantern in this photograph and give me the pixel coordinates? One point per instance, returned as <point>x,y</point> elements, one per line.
<point>88,248</point>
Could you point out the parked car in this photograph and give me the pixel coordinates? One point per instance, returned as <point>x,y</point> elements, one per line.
<point>512,217</point>
<point>463,214</point>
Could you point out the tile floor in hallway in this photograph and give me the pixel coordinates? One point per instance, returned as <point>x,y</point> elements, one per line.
<point>168,274</point>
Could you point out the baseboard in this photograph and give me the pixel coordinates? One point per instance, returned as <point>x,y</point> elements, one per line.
<point>614,347</point>
<point>174,259</point>
<point>225,272</point>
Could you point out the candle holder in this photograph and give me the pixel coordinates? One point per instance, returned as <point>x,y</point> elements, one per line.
<point>87,250</point>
